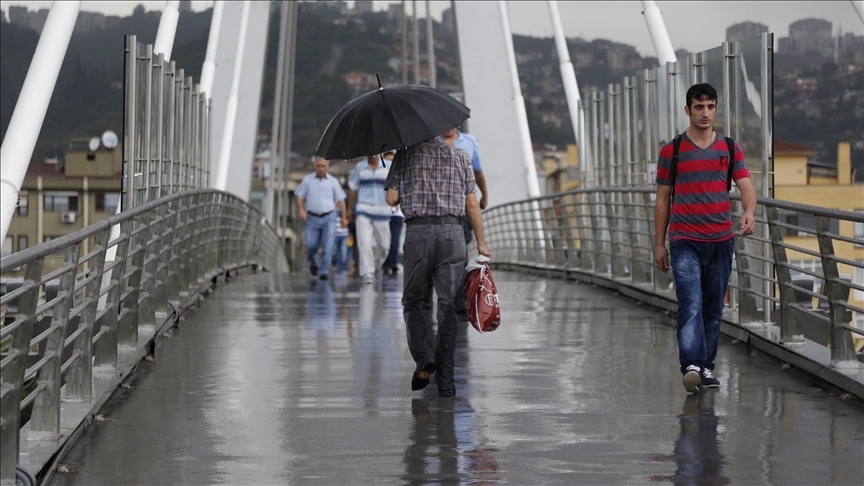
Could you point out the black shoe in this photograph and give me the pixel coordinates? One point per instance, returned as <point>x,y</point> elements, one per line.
<point>420,379</point>
<point>313,269</point>
<point>708,380</point>
<point>323,276</point>
<point>692,379</point>
<point>447,392</point>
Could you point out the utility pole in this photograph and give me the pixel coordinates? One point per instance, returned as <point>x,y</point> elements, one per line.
<point>289,124</point>
<point>416,43</point>
<point>275,134</point>
<point>430,47</point>
<point>404,24</point>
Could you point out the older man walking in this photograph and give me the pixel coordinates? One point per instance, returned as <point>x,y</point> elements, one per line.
<point>318,196</point>
<point>433,183</point>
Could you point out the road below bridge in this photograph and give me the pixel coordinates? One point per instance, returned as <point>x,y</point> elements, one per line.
<point>278,380</point>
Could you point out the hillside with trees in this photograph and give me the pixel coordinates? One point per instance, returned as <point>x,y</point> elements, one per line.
<point>333,42</point>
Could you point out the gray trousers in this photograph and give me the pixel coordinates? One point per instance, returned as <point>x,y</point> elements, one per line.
<point>436,251</point>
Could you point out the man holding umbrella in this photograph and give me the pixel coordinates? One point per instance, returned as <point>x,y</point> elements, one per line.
<point>433,183</point>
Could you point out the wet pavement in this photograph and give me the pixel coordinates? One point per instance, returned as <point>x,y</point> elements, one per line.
<point>276,380</point>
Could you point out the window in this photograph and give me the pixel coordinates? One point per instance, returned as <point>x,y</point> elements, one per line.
<point>61,202</point>
<point>46,238</point>
<point>805,221</point>
<point>23,197</point>
<point>91,156</point>
<point>7,249</point>
<point>107,201</point>
<point>22,242</point>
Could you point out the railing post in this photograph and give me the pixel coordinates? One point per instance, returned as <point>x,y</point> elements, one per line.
<point>147,284</point>
<point>127,331</point>
<point>45,418</point>
<point>842,348</point>
<point>790,327</point>
<point>158,272</point>
<point>143,184</point>
<point>619,257</point>
<point>12,377</point>
<point>747,310</point>
<point>130,121</point>
<point>106,347</point>
<point>79,385</point>
<point>159,120</point>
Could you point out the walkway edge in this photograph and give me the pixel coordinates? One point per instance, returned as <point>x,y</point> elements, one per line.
<point>44,472</point>
<point>759,338</point>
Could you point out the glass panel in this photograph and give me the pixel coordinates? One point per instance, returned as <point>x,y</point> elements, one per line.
<point>712,73</point>
<point>747,107</point>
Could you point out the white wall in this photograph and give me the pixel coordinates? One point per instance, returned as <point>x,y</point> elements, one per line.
<point>249,99</point>
<point>489,94</point>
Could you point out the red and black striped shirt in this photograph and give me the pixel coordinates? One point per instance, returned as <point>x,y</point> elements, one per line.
<point>701,210</point>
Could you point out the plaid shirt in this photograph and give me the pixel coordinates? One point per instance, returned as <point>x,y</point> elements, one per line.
<point>432,179</point>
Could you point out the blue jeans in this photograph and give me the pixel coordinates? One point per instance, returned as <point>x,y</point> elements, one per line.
<point>701,271</point>
<point>340,252</point>
<point>319,236</point>
<point>395,235</point>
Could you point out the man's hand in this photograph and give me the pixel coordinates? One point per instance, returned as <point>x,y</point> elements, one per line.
<point>661,258</point>
<point>344,221</point>
<point>748,224</point>
<point>302,213</point>
<point>483,201</point>
<point>481,249</point>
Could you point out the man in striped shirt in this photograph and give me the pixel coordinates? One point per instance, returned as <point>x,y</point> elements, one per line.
<point>700,228</point>
<point>372,217</point>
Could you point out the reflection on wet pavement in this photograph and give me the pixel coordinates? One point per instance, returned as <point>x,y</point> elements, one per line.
<point>279,380</point>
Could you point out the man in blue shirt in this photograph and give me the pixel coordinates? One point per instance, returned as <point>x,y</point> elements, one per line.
<point>372,216</point>
<point>318,196</point>
<point>468,143</point>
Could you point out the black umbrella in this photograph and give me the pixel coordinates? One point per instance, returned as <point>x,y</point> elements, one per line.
<point>389,118</point>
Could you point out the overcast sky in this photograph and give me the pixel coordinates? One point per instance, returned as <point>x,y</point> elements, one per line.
<point>692,25</point>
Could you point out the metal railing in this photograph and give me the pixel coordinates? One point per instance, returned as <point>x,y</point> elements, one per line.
<point>609,234</point>
<point>62,356</point>
<point>167,128</point>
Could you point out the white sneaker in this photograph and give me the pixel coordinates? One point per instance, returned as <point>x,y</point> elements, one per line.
<point>368,280</point>
<point>692,379</point>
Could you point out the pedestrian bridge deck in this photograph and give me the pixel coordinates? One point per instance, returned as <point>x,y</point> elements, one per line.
<point>278,380</point>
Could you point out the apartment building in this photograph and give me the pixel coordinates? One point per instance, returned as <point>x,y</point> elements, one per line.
<point>59,198</point>
<point>800,179</point>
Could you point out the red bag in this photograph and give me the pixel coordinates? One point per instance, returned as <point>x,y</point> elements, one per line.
<point>481,296</point>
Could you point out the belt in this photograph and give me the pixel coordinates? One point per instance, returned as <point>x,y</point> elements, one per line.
<point>434,220</point>
<point>320,215</point>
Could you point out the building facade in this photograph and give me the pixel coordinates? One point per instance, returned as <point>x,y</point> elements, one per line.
<point>799,179</point>
<point>57,199</point>
<point>745,30</point>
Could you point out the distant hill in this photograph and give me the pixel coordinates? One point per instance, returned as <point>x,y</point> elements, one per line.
<point>88,97</point>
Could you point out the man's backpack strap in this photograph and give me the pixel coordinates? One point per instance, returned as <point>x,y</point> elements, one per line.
<point>673,163</point>
<point>730,143</point>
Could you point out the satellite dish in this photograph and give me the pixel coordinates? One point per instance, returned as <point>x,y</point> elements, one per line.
<point>109,139</point>
<point>94,144</point>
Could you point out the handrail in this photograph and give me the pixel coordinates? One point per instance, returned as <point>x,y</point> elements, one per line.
<point>170,251</point>
<point>607,232</point>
